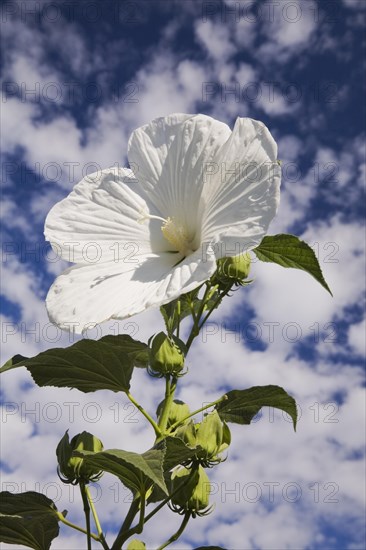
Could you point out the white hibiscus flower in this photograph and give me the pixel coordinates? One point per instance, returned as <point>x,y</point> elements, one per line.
<point>199,192</point>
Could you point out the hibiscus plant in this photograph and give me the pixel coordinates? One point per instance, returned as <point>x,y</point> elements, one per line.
<point>177,231</point>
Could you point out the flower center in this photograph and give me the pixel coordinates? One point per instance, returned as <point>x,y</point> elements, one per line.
<point>175,233</point>
<point>177,236</point>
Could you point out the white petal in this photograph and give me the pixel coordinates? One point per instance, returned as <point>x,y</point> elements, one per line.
<point>99,220</point>
<point>242,198</point>
<point>170,157</point>
<point>87,295</point>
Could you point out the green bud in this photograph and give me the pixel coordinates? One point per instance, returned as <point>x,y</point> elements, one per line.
<point>166,354</point>
<point>187,433</point>
<point>210,433</point>
<point>201,495</point>
<point>72,468</point>
<point>235,267</point>
<point>194,494</point>
<point>136,544</point>
<point>187,480</point>
<point>178,411</point>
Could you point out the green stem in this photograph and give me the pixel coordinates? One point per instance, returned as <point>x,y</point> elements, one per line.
<point>170,387</point>
<point>176,424</point>
<point>158,507</point>
<point>146,415</point>
<point>216,303</point>
<point>96,519</point>
<point>178,533</point>
<point>127,523</point>
<point>194,317</point>
<point>197,318</point>
<point>178,317</point>
<point>166,500</point>
<point>76,527</point>
<point>137,529</point>
<point>86,512</point>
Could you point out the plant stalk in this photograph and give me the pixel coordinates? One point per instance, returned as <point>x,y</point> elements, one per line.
<point>128,520</point>
<point>197,318</point>
<point>86,512</point>
<point>126,533</point>
<point>166,500</point>
<point>217,301</point>
<point>102,540</point>
<point>178,317</point>
<point>170,387</point>
<point>76,527</point>
<point>146,415</point>
<point>178,533</point>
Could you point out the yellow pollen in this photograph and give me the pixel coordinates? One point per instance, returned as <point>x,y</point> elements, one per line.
<point>177,236</point>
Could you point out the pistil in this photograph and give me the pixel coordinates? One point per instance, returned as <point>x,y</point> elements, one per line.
<point>176,234</point>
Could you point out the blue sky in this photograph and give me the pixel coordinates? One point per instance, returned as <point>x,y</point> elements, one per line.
<point>77,78</point>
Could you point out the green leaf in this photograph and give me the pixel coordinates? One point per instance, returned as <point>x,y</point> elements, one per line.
<point>289,251</point>
<point>29,519</point>
<point>136,544</point>
<point>136,471</point>
<point>88,365</point>
<point>136,350</point>
<point>29,503</point>
<point>176,452</point>
<point>241,406</point>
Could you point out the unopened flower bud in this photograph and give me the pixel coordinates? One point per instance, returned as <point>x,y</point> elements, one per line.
<point>166,354</point>
<point>136,544</point>
<point>73,468</point>
<point>195,490</point>
<point>210,435</point>
<point>178,411</point>
<point>235,268</point>
<point>188,434</point>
